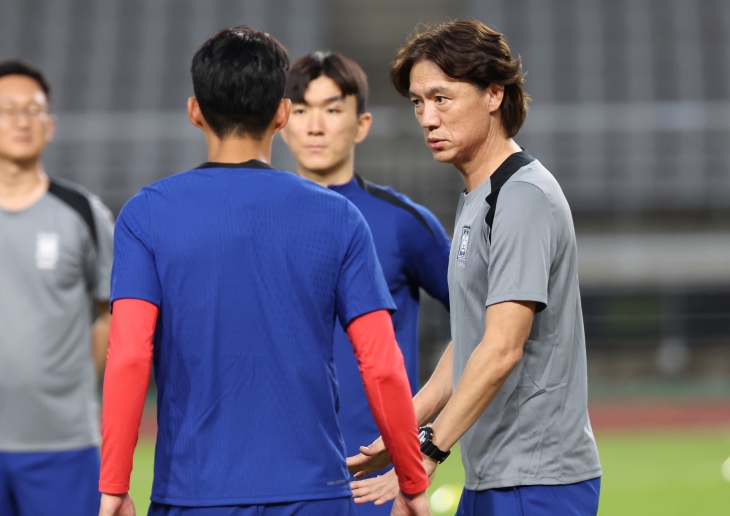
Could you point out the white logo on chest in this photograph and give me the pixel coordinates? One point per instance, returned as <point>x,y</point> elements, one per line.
<point>463,244</point>
<point>46,251</point>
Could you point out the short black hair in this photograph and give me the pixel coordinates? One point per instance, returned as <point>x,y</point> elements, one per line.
<point>239,76</point>
<point>346,73</point>
<point>18,67</point>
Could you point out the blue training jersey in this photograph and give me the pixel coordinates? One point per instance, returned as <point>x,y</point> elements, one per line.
<point>250,267</point>
<point>413,250</point>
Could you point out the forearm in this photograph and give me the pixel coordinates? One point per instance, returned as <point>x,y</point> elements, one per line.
<point>125,388</point>
<point>485,373</point>
<point>100,341</point>
<point>507,328</point>
<point>431,399</point>
<point>389,396</point>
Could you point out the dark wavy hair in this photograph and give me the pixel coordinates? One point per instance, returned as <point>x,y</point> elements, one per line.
<point>468,50</point>
<point>346,73</point>
<point>239,76</point>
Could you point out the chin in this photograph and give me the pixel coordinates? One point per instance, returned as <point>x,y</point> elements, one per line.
<point>20,156</point>
<point>443,156</point>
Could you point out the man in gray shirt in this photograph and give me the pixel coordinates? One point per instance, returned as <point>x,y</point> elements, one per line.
<point>55,264</point>
<point>512,386</point>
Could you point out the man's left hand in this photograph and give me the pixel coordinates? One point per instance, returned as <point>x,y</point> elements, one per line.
<point>116,505</point>
<point>384,488</point>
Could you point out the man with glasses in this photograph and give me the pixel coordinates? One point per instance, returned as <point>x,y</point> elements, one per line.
<point>56,254</point>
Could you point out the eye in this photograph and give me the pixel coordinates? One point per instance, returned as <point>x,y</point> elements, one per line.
<point>333,110</point>
<point>298,111</point>
<point>416,102</point>
<point>440,99</point>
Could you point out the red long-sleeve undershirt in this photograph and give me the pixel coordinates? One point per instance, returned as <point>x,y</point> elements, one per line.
<point>389,395</point>
<point>127,374</point>
<point>128,364</point>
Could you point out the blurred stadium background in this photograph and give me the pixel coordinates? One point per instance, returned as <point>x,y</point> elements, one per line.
<point>631,113</point>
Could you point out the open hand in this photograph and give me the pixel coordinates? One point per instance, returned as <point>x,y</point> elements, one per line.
<point>370,459</point>
<point>384,488</point>
<point>411,505</point>
<point>116,505</point>
<point>380,489</point>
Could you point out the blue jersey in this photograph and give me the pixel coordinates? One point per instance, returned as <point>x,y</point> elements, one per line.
<point>413,250</point>
<point>250,268</point>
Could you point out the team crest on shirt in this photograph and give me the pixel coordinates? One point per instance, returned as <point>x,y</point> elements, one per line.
<point>46,251</point>
<point>463,244</point>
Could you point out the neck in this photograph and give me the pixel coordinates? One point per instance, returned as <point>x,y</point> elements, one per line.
<point>21,183</point>
<point>238,150</point>
<point>486,160</point>
<point>340,174</point>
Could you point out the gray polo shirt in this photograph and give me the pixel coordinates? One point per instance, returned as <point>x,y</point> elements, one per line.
<point>55,260</point>
<point>514,241</point>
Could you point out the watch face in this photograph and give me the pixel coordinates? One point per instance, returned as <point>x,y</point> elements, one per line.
<point>424,433</point>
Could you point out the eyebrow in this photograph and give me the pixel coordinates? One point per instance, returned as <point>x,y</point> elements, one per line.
<point>439,88</point>
<point>326,101</point>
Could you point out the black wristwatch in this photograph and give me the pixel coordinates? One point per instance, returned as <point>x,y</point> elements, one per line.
<point>425,435</point>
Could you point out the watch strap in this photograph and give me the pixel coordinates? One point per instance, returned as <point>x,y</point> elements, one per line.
<point>428,448</point>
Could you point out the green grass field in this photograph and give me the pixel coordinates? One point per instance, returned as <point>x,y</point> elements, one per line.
<point>644,474</point>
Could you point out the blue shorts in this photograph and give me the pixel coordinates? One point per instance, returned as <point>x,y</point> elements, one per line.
<point>579,499</point>
<point>370,509</point>
<point>338,506</point>
<point>62,483</point>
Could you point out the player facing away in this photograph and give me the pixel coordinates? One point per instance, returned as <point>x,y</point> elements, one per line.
<point>55,262</point>
<point>512,386</point>
<point>228,278</point>
<point>328,118</point>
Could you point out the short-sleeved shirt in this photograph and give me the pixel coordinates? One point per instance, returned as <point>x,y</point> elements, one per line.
<point>514,241</point>
<point>413,250</point>
<point>249,267</point>
<point>55,260</point>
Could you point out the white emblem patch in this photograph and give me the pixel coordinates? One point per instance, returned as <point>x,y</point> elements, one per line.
<point>46,251</point>
<point>464,244</point>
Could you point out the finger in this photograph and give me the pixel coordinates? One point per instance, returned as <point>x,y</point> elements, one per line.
<point>367,451</point>
<point>365,495</point>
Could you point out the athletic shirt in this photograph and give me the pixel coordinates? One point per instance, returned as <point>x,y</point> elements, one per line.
<point>413,250</point>
<point>55,261</point>
<point>249,266</point>
<point>514,241</point>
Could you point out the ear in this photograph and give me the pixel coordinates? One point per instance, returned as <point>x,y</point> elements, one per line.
<point>195,115</point>
<point>282,115</point>
<point>50,128</point>
<point>495,95</point>
<point>364,122</point>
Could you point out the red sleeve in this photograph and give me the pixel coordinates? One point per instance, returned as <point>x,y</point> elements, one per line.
<point>389,395</point>
<point>127,374</point>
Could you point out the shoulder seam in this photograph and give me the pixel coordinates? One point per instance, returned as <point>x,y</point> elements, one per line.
<point>75,199</point>
<point>388,197</point>
<point>499,178</point>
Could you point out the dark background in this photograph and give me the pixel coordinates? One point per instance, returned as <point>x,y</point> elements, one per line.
<point>631,113</point>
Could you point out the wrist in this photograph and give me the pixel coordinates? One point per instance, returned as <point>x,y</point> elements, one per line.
<point>428,447</point>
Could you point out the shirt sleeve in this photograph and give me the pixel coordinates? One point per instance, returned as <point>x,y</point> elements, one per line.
<point>389,395</point>
<point>127,375</point>
<point>520,253</point>
<point>101,268</point>
<point>361,286</point>
<point>134,275</point>
<point>427,250</point>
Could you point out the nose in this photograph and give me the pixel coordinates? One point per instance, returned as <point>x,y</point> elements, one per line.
<point>22,118</point>
<point>315,123</point>
<point>429,116</point>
